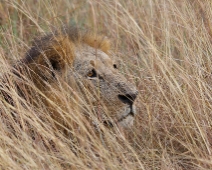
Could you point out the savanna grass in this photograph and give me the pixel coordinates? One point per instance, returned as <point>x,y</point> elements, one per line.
<point>164,47</point>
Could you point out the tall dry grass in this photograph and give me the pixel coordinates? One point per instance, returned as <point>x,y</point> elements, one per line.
<point>164,47</point>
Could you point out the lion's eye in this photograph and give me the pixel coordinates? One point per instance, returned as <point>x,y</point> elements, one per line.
<point>92,73</point>
<point>115,66</point>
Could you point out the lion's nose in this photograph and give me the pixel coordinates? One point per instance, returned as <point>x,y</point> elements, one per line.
<point>128,98</point>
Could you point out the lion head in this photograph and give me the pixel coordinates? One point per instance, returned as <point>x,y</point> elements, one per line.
<point>77,55</point>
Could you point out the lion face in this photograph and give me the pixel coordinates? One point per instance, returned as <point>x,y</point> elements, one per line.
<point>99,72</point>
<point>73,55</point>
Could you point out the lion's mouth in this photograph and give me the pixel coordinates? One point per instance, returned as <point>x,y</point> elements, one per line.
<point>126,117</point>
<point>131,112</point>
<point>123,117</point>
<point>110,123</point>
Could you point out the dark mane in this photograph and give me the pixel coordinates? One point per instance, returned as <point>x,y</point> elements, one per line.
<point>74,34</point>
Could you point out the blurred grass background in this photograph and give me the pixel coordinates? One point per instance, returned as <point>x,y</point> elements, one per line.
<point>164,47</point>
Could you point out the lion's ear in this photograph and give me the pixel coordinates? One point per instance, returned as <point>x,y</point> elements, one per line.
<point>59,51</point>
<point>55,64</point>
<point>50,55</point>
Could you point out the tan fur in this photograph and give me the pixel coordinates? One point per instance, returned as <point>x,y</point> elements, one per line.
<point>69,56</point>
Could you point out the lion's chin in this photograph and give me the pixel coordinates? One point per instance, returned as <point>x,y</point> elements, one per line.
<point>127,122</point>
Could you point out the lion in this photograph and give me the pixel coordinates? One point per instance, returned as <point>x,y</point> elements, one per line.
<point>75,57</point>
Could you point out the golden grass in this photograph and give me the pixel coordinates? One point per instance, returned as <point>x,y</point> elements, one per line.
<point>164,47</point>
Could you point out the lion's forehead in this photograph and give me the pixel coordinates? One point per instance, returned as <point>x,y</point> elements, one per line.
<point>100,59</point>
<point>88,52</point>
